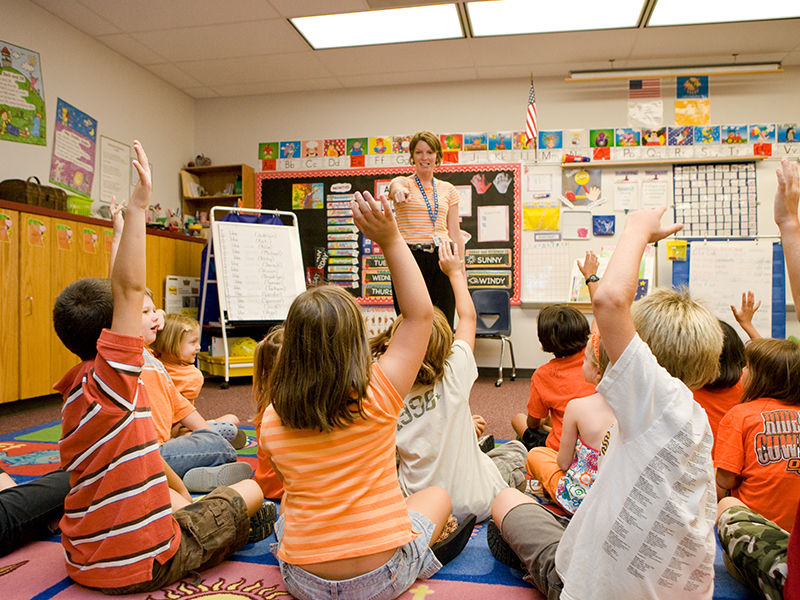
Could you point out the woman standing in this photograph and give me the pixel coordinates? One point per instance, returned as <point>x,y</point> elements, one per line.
<point>426,209</point>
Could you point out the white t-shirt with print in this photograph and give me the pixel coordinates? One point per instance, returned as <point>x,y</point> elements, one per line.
<point>646,527</point>
<point>437,443</point>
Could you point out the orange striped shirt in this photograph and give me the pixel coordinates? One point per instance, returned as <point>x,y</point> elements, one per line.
<point>342,497</point>
<point>413,218</point>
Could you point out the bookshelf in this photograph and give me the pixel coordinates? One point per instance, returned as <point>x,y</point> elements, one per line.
<point>205,187</point>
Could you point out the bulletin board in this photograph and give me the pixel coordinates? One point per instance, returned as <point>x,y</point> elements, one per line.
<point>741,229</point>
<point>570,210</point>
<point>334,250</point>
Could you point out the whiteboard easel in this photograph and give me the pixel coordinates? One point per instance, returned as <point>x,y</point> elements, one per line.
<point>259,270</point>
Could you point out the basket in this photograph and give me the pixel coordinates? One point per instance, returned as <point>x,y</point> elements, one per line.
<point>78,205</point>
<point>239,366</point>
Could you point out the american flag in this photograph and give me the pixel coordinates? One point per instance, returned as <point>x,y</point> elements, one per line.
<point>644,88</point>
<point>531,126</point>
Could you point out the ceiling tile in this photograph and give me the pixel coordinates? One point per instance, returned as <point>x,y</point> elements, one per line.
<point>79,16</point>
<point>225,40</point>
<point>416,56</point>
<point>253,69</point>
<point>279,87</point>
<point>415,77</point>
<point>719,39</point>
<point>200,92</point>
<point>149,15</point>
<point>130,48</point>
<point>309,8</point>
<point>174,76</point>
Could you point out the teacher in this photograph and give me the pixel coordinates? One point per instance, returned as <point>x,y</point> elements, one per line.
<point>426,210</point>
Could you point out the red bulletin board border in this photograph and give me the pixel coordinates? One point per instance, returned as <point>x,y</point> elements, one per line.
<point>514,168</point>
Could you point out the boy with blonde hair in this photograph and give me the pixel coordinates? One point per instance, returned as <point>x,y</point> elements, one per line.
<point>646,527</point>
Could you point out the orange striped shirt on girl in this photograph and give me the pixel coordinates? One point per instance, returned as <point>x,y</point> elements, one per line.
<point>342,496</point>
<point>413,218</point>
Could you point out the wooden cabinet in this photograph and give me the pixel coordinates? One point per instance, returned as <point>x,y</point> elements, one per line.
<point>214,181</point>
<point>41,253</point>
<point>9,304</point>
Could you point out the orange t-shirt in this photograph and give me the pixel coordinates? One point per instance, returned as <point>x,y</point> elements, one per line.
<point>716,403</point>
<point>757,440</point>
<point>265,475</point>
<point>167,405</point>
<point>188,379</point>
<point>342,497</point>
<point>553,385</point>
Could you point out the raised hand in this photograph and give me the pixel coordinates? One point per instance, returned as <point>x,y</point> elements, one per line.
<point>449,261</point>
<point>141,193</point>
<point>374,218</point>
<point>787,194</point>
<point>589,265</point>
<point>648,222</point>
<point>116,215</point>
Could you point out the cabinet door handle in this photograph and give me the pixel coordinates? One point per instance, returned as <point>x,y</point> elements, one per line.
<point>30,298</point>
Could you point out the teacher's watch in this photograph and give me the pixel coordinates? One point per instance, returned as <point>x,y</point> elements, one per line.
<point>592,279</point>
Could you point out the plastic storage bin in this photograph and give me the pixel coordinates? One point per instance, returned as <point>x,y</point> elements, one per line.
<point>78,205</point>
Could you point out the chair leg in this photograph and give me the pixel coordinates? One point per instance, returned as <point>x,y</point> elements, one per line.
<point>513,362</point>
<point>499,381</point>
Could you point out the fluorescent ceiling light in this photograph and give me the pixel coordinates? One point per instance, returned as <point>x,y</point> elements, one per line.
<point>509,17</point>
<point>692,12</point>
<point>732,69</point>
<point>393,26</point>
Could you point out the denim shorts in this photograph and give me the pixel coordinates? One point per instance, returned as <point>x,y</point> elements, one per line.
<point>413,561</point>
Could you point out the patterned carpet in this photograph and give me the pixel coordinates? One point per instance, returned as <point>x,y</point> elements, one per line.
<point>37,571</point>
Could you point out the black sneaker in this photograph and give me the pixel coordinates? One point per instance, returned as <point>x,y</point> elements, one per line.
<point>486,443</point>
<point>500,548</point>
<point>453,544</point>
<point>263,522</point>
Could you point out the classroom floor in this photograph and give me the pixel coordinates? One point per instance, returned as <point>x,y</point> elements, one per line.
<point>495,404</point>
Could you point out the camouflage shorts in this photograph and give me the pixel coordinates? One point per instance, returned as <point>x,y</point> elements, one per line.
<point>754,550</point>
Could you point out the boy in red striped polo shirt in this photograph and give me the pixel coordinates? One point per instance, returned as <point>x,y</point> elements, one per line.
<point>119,531</point>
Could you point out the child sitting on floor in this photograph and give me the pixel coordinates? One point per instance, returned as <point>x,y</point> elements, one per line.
<point>725,392</point>
<point>564,331</point>
<point>436,433</point>
<point>646,528</point>
<point>756,439</point>
<point>176,346</point>
<point>345,530</point>
<point>263,362</point>
<point>586,423</point>
<point>119,531</point>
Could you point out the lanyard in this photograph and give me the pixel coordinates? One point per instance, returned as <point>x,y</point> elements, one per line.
<point>433,213</point>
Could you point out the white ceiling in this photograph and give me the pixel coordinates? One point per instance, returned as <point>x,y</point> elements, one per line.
<point>221,48</point>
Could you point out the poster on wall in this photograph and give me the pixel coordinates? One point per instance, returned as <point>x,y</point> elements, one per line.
<point>22,114</point>
<point>115,169</point>
<point>72,166</point>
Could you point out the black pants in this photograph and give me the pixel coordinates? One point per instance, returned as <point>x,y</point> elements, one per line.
<point>436,281</point>
<point>27,510</point>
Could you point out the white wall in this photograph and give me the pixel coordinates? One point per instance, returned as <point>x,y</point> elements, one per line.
<point>229,130</point>
<point>127,101</point>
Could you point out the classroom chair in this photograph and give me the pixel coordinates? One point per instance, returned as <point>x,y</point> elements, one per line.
<point>495,303</point>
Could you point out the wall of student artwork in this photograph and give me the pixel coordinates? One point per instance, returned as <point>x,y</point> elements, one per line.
<point>334,250</point>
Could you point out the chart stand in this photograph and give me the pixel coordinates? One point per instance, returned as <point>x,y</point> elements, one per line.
<point>259,273</point>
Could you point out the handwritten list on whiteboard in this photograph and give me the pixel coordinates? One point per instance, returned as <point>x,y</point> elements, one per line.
<point>259,268</point>
<point>719,272</point>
